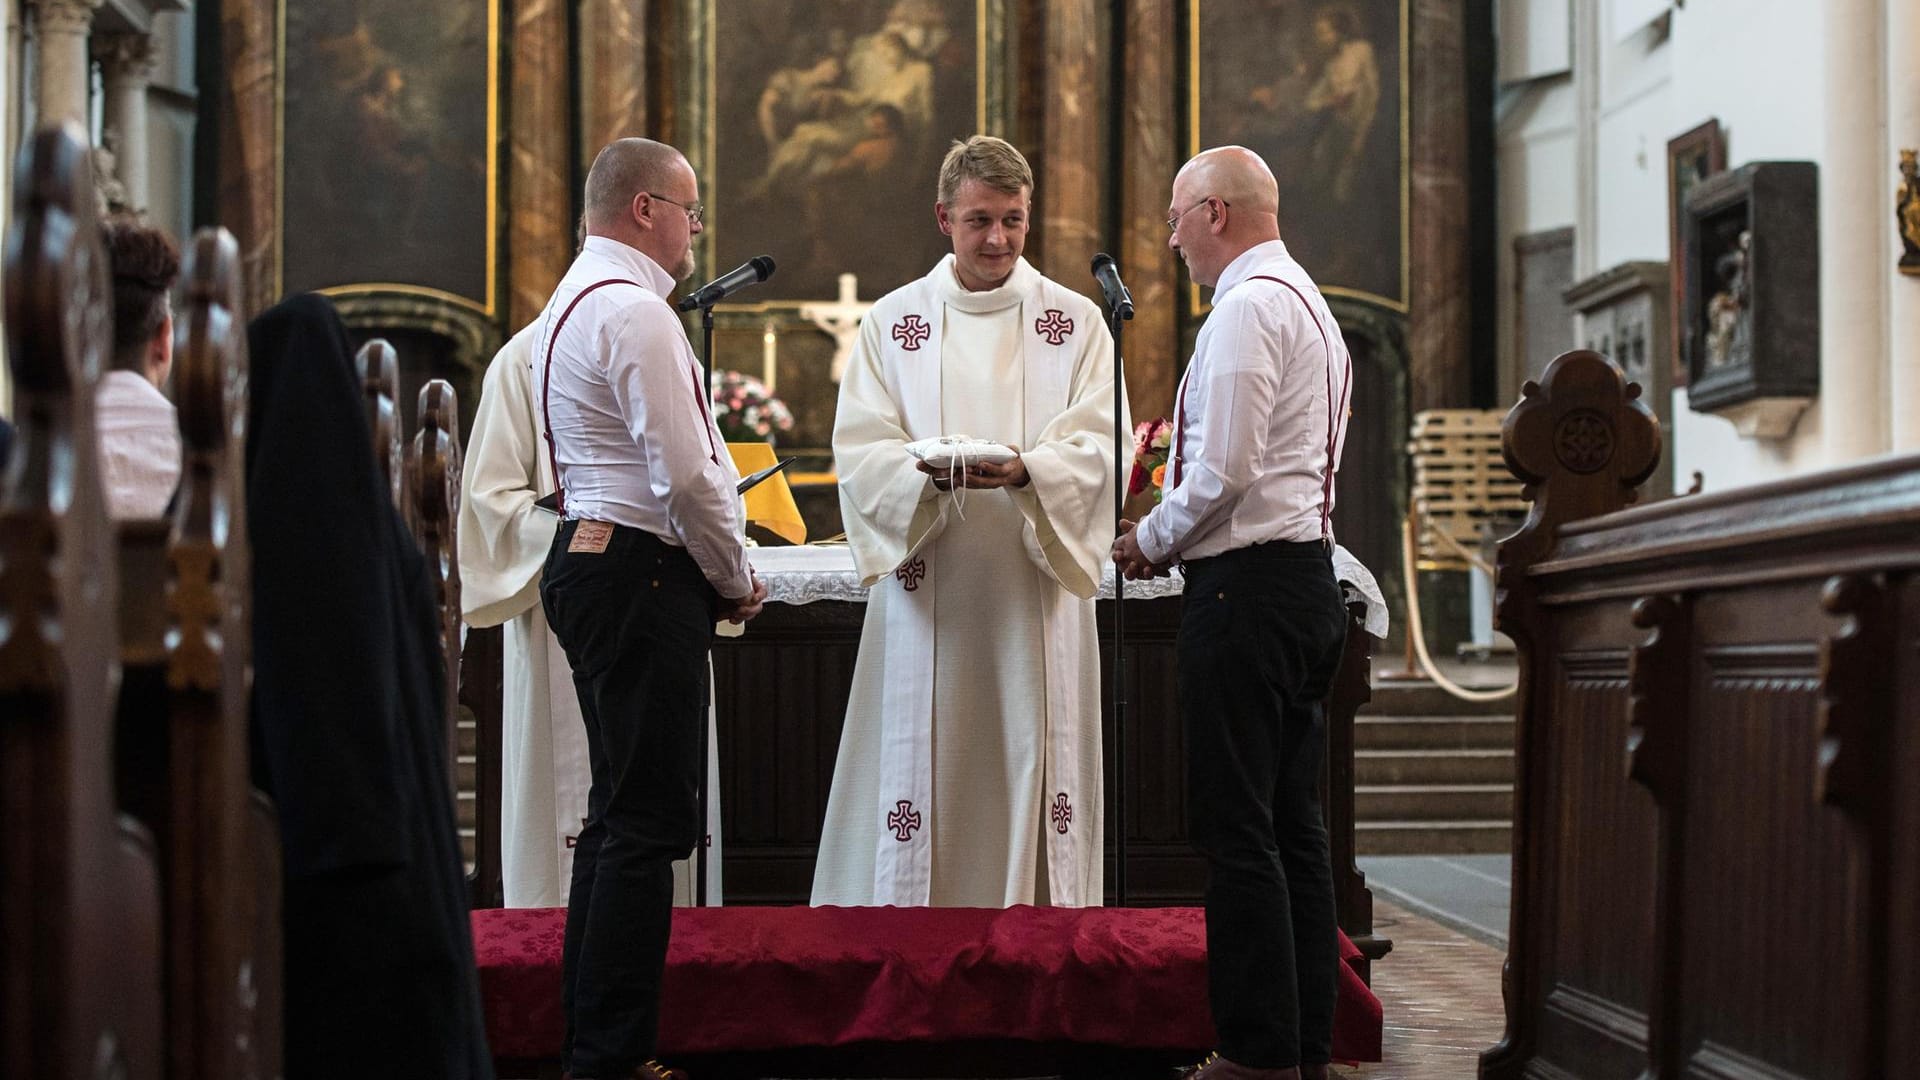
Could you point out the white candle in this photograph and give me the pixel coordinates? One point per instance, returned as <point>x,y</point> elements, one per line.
<point>769,357</point>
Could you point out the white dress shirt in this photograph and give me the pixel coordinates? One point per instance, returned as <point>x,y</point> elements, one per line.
<point>139,445</point>
<point>1252,455</point>
<point>634,438</point>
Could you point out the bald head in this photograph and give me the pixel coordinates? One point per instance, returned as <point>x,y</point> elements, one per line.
<point>1224,202</point>
<point>1235,174</point>
<point>625,168</point>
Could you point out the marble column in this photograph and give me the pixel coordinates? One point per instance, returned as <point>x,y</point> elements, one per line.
<point>1439,316</point>
<point>1148,132</point>
<point>540,233</point>
<point>613,85</point>
<point>1856,256</point>
<point>1072,159</point>
<point>126,69</point>
<point>249,162</point>
<point>60,29</point>
<point>1903,300</point>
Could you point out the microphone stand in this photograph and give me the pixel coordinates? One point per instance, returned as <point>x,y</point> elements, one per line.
<point>1116,317</point>
<point>706,836</point>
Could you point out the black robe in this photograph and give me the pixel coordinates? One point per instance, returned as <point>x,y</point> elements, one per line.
<point>347,728</point>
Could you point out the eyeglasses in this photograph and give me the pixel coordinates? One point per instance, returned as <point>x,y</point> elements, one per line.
<point>696,212</point>
<point>1173,223</point>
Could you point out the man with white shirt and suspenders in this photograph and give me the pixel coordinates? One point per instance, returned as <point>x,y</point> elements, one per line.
<point>1260,418</point>
<point>647,557</point>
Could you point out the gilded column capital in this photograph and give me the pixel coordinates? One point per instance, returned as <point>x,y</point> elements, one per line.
<point>67,17</point>
<point>124,56</point>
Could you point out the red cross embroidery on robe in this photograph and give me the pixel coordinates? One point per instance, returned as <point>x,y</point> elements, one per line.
<point>911,331</point>
<point>903,820</point>
<point>910,574</point>
<point>1054,326</point>
<point>1062,813</point>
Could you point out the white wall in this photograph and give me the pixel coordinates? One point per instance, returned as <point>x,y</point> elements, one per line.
<point>1761,67</point>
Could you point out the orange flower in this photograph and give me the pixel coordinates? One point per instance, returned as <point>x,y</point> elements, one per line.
<point>1159,475</point>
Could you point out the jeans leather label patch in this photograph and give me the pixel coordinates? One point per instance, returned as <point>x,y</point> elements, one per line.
<point>591,537</point>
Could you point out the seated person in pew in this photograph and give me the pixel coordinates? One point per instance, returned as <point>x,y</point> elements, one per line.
<point>139,437</point>
<point>969,770</point>
<point>503,540</point>
<point>347,728</point>
<point>1259,422</point>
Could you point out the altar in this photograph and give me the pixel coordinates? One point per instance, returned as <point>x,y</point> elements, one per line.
<point>781,692</point>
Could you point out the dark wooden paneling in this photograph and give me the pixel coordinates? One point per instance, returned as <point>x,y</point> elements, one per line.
<point>1714,857</point>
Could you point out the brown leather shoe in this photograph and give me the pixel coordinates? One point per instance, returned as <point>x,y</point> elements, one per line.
<point>1216,1067</point>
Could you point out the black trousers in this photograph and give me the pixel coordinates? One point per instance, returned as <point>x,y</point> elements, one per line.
<point>1261,632</point>
<point>636,621</point>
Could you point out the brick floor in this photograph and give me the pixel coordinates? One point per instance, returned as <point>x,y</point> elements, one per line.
<point>1440,991</point>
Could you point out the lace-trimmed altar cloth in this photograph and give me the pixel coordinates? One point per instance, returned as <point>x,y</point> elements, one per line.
<point>804,574</point>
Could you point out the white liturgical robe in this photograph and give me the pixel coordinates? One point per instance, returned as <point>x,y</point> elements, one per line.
<point>969,770</point>
<point>503,540</point>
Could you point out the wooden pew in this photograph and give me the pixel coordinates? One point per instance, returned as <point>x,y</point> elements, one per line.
<point>80,934</point>
<point>379,369</point>
<point>184,704</point>
<point>433,482</point>
<point>1717,835</point>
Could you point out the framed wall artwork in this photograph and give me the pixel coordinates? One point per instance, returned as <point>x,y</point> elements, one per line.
<point>818,126</point>
<point>1691,157</point>
<point>1320,92</point>
<point>388,150</point>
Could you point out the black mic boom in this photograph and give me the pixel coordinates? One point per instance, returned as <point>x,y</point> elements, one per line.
<point>752,272</point>
<point>1119,300</point>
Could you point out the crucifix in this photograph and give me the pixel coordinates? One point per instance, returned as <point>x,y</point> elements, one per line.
<point>841,320</point>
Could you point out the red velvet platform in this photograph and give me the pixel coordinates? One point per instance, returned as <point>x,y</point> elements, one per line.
<point>757,979</point>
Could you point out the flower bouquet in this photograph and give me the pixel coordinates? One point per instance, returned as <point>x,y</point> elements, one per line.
<point>746,412</point>
<point>1152,440</point>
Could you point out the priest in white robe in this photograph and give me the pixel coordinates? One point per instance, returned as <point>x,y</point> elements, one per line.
<point>969,770</point>
<point>503,540</point>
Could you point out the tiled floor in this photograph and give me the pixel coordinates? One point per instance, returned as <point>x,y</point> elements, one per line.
<point>1440,991</point>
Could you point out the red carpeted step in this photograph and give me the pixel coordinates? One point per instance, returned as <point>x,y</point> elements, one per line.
<point>770,978</point>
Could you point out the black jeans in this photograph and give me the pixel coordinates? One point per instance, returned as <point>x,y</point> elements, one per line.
<point>1261,632</point>
<point>636,621</point>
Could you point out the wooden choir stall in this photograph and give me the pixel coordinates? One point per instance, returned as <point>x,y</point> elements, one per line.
<point>1717,845</point>
<point>140,869</point>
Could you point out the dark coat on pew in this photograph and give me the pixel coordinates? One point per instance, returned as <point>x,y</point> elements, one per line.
<point>347,728</point>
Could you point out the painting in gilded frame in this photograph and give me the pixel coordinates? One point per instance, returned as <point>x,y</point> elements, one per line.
<point>825,123</point>
<point>388,147</point>
<point>1318,89</point>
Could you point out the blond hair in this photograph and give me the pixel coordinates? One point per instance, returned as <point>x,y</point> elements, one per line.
<point>992,161</point>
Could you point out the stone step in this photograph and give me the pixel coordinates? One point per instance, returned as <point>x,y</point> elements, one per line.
<point>466,810</point>
<point>1433,837</point>
<point>466,769</point>
<point>466,737</point>
<point>468,844</point>
<point>1416,731</point>
<point>1422,698</point>
<point>1422,766</point>
<point>1433,802</point>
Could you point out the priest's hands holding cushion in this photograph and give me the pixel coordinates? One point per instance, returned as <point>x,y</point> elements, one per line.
<point>1131,561</point>
<point>738,609</point>
<point>980,475</point>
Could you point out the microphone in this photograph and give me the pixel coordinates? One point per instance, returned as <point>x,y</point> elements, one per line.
<point>1119,300</point>
<point>752,272</point>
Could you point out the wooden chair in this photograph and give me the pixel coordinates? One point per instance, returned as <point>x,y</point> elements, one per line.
<point>433,481</point>
<point>80,904</point>
<point>379,369</point>
<point>184,705</point>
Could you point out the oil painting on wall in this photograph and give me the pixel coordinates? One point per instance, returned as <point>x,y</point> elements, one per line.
<point>828,122</point>
<point>386,145</point>
<point>1315,87</point>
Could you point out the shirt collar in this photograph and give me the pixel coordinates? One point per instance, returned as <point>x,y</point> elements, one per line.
<point>1249,261</point>
<point>648,273</point>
